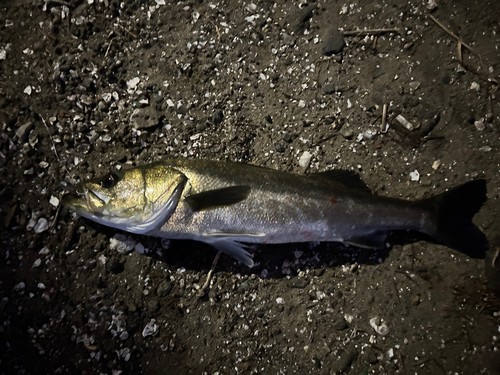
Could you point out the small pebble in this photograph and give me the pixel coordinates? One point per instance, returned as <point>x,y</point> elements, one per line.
<point>340,324</point>
<point>414,85</point>
<point>54,201</point>
<point>305,159</point>
<point>407,124</point>
<point>150,329</point>
<point>19,286</point>
<point>479,125</point>
<point>379,326</point>
<point>436,164</point>
<point>41,226</point>
<point>333,42</point>
<point>131,84</point>
<point>415,176</point>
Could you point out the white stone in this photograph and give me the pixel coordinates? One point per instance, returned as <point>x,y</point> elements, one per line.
<point>132,84</point>
<point>305,159</point>
<point>54,201</point>
<point>415,176</point>
<point>379,325</point>
<point>41,226</point>
<point>436,164</point>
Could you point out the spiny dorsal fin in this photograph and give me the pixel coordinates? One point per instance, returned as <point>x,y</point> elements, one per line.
<point>348,178</point>
<point>210,199</point>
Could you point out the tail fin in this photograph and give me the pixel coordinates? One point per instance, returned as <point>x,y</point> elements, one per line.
<point>454,211</point>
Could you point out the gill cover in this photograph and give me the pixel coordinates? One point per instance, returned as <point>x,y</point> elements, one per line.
<point>137,200</point>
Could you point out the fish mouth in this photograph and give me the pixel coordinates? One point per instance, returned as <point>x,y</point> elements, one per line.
<point>81,199</point>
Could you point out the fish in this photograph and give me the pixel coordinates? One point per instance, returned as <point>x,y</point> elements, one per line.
<point>230,205</point>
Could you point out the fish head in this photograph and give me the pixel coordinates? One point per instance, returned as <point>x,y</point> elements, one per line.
<point>136,200</point>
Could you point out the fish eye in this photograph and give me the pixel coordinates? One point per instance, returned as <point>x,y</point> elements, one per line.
<point>110,181</point>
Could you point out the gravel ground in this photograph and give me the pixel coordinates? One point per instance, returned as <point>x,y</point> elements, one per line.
<point>92,86</point>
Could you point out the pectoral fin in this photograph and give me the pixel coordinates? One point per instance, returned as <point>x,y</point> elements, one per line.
<point>211,199</point>
<point>234,249</point>
<point>374,240</point>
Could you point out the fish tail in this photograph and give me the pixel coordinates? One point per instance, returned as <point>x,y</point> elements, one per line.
<point>454,211</point>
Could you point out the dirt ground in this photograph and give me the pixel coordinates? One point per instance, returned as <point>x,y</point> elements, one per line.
<point>89,86</point>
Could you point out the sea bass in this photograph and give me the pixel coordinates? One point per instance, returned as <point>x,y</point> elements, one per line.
<point>229,205</point>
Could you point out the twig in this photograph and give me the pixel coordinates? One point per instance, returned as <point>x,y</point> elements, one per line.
<point>216,27</point>
<point>109,46</point>
<point>53,224</point>
<point>369,32</point>
<point>131,33</point>
<point>461,43</point>
<point>204,288</point>
<point>459,40</point>
<point>384,118</point>
<point>50,137</point>
<point>495,257</point>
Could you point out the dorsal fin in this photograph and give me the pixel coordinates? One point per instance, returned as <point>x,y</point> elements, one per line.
<point>210,199</point>
<point>347,178</point>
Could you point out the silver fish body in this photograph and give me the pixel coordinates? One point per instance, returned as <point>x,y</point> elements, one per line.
<point>227,204</point>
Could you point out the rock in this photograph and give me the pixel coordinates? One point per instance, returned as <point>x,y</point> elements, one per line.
<point>333,42</point>
<point>305,159</point>
<point>145,118</point>
<point>329,89</point>
<point>200,127</point>
<point>150,329</point>
<point>41,226</point>
<point>280,147</point>
<point>340,323</point>
<point>379,325</point>
<point>115,267</point>
<point>54,201</point>
<point>121,243</point>
<point>164,288</point>
<point>102,106</point>
<point>369,355</point>
<point>23,131</point>
<point>345,360</point>
<point>132,83</point>
<point>415,176</point>
<point>414,85</point>
<point>298,19</point>
<point>288,39</point>
<point>346,132</point>
<point>287,137</point>
<point>218,117</point>
<point>88,83</point>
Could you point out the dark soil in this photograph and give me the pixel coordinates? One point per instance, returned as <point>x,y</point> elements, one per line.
<point>102,84</point>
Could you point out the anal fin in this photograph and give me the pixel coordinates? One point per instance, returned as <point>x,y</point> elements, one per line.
<point>234,249</point>
<point>374,240</point>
